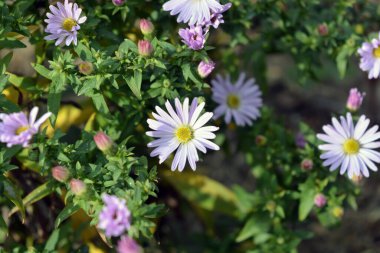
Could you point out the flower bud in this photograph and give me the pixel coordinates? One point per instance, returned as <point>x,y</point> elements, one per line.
<point>118,2</point>
<point>300,141</point>
<point>77,186</point>
<point>307,164</point>
<point>338,212</point>
<point>205,68</point>
<point>103,142</point>
<point>85,68</point>
<point>261,140</point>
<point>146,26</point>
<point>320,200</point>
<point>354,100</point>
<point>60,173</point>
<point>145,48</point>
<point>323,30</point>
<point>128,245</point>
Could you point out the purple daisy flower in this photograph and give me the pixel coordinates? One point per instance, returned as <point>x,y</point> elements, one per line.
<point>17,129</point>
<point>216,18</point>
<point>370,58</point>
<point>127,245</point>
<point>63,23</point>
<point>193,37</point>
<point>115,218</point>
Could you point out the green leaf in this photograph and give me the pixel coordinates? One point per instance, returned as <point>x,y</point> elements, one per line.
<point>11,43</point>
<point>53,103</point>
<point>52,241</point>
<point>34,196</point>
<point>4,62</point>
<point>134,83</point>
<point>83,52</point>
<point>307,195</point>
<point>3,229</point>
<point>254,226</point>
<point>128,45</point>
<point>12,193</point>
<point>100,103</point>
<point>69,210</point>
<point>203,192</point>
<point>42,71</point>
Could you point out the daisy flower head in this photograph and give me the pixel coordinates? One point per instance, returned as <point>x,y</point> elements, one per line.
<point>18,129</point>
<point>240,101</point>
<point>182,129</point>
<point>350,146</point>
<point>115,217</point>
<point>370,58</point>
<point>193,37</point>
<point>192,11</point>
<point>64,22</point>
<point>216,18</point>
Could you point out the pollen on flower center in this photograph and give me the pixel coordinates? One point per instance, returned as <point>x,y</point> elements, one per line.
<point>233,101</point>
<point>351,146</point>
<point>184,134</point>
<point>376,52</point>
<point>21,129</point>
<point>68,24</point>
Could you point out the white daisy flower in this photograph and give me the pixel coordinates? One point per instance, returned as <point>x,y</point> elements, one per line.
<point>182,130</point>
<point>192,11</point>
<point>350,146</point>
<point>64,23</point>
<point>240,101</point>
<point>370,57</point>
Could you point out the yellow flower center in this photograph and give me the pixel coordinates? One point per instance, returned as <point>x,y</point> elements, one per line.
<point>184,134</point>
<point>351,147</point>
<point>21,129</point>
<point>376,52</point>
<point>68,24</point>
<point>233,101</point>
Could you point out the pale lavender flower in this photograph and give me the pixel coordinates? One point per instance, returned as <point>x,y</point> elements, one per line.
<point>64,23</point>
<point>370,58</point>
<point>354,100</point>
<point>205,68</point>
<point>115,218</point>
<point>193,37</point>
<point>183,130</point>
<point>192,12</point>
<point>300,140</point>
<point>216,18</point>
<point>127,245</point>
<point>320,200</point>
<point>240,101</point>
<point>17,129</point>
<point>349,146</point>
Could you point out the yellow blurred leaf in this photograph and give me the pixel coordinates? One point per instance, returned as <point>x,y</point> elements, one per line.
<point>203,191</point>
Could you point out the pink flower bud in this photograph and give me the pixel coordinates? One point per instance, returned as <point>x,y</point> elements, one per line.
<point>60,173</point>
<point>307,164</point>
<point>205,68</point>
<point>77,186</point>
<point>354,100</point>
<point>323,30</point>
<point>128,245</point>
<point>145,48</point>
<point>103,142</point>
<point>118,2</point>
<point>146,26</point>
<point>320,200</point>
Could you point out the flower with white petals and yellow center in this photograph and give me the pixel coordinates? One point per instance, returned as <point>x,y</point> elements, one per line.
<point>370,57</point>
<point>193,11</point>
<point>240,101</point>
<point>350,146</point>
<point>64,22</point>
<point>18,129</point>
<point>181,129</point>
